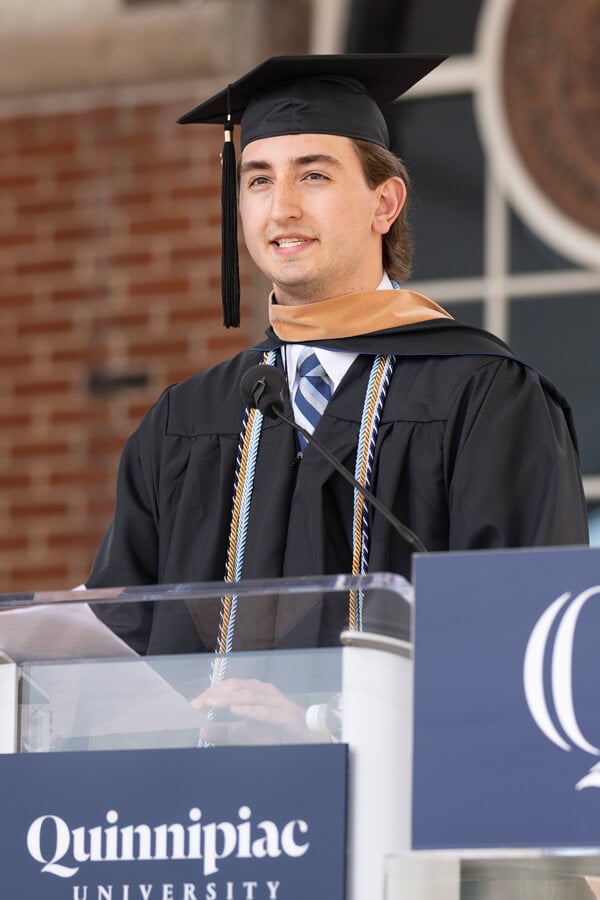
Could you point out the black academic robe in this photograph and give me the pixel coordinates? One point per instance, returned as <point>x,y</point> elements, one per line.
<point>475,450</point>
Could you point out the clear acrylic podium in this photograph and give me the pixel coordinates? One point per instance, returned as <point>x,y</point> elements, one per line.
<point>68,683</point>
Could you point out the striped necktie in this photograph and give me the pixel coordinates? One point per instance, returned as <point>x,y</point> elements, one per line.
<point>312,394</point>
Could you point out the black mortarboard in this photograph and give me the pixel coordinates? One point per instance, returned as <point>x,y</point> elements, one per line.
<point>336,94</point>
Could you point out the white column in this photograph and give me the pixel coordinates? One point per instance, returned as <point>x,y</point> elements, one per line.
<point>8,705</point>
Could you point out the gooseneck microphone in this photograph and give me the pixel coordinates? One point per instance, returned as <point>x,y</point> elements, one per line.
<point>264,387</point>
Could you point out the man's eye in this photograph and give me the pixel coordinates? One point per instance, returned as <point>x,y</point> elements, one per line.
<point>316,176</point>
<point>258,181</point>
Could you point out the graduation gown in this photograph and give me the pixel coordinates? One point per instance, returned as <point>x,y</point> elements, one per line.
<point>475,450</point>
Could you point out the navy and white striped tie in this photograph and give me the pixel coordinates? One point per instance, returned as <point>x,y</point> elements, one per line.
<point>313,393</point>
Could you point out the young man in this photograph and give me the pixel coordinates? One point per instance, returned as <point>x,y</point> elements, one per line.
<point>464,443</point>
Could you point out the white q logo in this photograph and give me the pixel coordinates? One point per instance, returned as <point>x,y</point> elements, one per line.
<point>561,679</point>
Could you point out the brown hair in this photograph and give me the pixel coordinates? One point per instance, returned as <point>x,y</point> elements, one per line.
<point>379,164</point>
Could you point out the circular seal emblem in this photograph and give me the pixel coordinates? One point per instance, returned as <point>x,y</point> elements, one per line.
<point>538,109</point>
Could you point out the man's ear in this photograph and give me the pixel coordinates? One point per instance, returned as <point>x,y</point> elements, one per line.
<point>391,196</point>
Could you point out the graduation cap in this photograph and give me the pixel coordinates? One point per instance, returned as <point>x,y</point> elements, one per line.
<point>332,94</point>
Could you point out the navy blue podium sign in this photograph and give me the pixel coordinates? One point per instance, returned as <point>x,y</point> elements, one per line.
<point>507,699</point>
<point>232,823</point>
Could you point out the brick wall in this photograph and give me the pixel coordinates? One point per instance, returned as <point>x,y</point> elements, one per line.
<point>109,291</point>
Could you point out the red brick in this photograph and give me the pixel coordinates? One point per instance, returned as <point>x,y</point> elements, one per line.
<point>153,110</point>
<point>197,192</point>
<point>195,314</point>
<point>14,482</point>
<point>102,116</point>
<point>39,448</point>
<point>75,539</point>
<point>51,206</point>
<point>38,510</point>
<point>101,508</point>
<point>16,239</point>
<point>13,182</point>
<point>15,420</point>
<point>39,577</point>
<point>56,326</point>
<point>13,542</point>
<point>160,226</point>
<point>159,286</point>
<point>123,320</point>
<point>158,348</point>
<point>19,300</point>
<point>183,254</point>
<point>81,233</point>
<point>97,174</point>
<point>27,124</point>
<point>12,360</point>
<point>81,355</point>
<point>78,294</point>
<point>85,477</point>
<point>92,414</point>
<point>47,148</point>
<point>44,267</point>
<point>162,166</point>
<point>35,388</point>
<point>61,123</point>
<point>131,258</point>
<point>121,141</point>
<point>133,197</point>
<point>228,343</point>
<point>108,444</point>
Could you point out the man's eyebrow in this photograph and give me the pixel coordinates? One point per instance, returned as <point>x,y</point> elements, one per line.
<point>253,165</point>
<point>316,158</point>
<point>263,165</point>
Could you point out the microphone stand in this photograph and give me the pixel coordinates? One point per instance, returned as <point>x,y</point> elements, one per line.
<point>262,387</point>
<point>403,530</point>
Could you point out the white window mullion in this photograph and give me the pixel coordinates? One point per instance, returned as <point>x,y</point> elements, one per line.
<point>496,259</point>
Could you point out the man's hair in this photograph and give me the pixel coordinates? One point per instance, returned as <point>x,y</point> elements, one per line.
<point>379,164</point>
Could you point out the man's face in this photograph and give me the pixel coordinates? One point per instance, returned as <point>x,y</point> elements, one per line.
<point>309,217</point>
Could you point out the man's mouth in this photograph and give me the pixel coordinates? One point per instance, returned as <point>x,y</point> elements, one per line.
<point>290,242</point>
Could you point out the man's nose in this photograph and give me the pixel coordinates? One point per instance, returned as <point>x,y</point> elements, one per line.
<point>285,202</point>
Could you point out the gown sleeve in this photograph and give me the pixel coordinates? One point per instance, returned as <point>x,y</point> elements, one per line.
<point>511,463</point>
<point>129,552</point>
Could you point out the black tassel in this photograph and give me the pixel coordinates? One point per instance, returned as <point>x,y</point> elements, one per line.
<point>230,275</point>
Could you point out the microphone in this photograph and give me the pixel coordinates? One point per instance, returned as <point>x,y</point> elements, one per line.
<point>264,388</point>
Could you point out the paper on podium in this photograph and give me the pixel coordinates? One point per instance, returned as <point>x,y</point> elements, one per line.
<point>57,631</point>
<point>93,681</point>
<point>97,698</point>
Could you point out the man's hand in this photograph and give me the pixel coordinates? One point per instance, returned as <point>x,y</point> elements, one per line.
<point>263,715</point>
